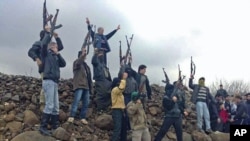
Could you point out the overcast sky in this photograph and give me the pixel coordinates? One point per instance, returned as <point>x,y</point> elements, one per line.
<point>166,33</point>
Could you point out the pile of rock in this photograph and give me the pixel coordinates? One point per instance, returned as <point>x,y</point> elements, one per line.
<point>20,115</point>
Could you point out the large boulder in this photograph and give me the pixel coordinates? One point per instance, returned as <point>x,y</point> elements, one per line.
<point>198,136</point>
<point>32,136</point>
<point>30,118</point>
<point>219,136</point>
<point>104,122</point>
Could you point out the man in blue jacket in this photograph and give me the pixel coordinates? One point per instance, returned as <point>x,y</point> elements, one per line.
<point>51,63</point>
<point>100,40</point>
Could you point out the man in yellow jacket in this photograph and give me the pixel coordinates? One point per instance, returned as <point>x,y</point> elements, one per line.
<point>118,106</point>
<point>138,119</point>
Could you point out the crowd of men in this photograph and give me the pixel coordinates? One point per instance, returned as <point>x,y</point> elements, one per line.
<point>128,93</point>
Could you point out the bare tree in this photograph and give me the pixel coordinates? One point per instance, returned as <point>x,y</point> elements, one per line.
<point>232,87</point>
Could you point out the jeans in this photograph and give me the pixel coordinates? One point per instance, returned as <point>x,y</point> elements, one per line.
<point>202,111</point>
<point>168,121</point>
<point>119,132</point>
<point>42,97</point>
<point>50,89</point>
<point>127,99</point>
<point>83,95</point>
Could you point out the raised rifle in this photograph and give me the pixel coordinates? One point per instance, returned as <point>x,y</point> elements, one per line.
<point>166,76</point>
<point>193,67</point>
<point>179,70</point>
<point>87,41</point>
<point>120,52</point>
<point>46,16</point>
<point>53,23</point>
<point>128,49</point>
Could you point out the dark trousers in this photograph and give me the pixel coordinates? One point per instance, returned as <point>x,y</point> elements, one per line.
<point>119,132</point>
<point>127,99</point>
<point>168,121</point>
<point>240,122</point>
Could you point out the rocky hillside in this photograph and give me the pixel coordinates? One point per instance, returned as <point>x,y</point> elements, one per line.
<point>20,115</point>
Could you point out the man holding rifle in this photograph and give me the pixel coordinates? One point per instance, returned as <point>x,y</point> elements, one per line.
<point>101,40</point>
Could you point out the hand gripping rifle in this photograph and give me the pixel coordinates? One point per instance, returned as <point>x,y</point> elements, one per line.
<point>193,67</point>
<point>166,77</point>
<point>128,49</point>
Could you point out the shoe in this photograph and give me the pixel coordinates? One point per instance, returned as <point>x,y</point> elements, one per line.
<point>209,131</point>
<point>43,127</point>
<point>71,119</point>
<point>201,130</point>
<point>84,121</point>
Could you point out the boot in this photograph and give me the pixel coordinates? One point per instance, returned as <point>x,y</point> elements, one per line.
<point>54,122</point>
<point>44,122</point>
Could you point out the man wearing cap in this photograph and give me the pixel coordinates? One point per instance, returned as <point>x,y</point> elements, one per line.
<point>201,96</point>
<point>35,54</point>
<point>138,119</point>
<point>248,107</point>
<point>82,85</point>
<point>241,115</point>
<point>103,81</point>
<point>221,92</point>
<point>143,84</point>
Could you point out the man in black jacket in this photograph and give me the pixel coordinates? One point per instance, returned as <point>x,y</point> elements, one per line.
<point>35,54</point>
<point>103,81</point>
<point>174,109</point>
<point>51,63</point>
<point>241,115</point>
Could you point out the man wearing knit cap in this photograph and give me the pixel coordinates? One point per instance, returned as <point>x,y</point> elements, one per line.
<point>200,98</point>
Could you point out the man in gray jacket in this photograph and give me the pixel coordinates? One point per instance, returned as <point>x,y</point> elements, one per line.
<point>200,97</point>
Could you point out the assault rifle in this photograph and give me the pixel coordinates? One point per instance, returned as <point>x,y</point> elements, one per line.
<point>180,77</point>
<point>193,67</point>
<point>120,52</point>
<point>166,76</point>
<point>46,16</point>
<point>128,49</point>
<point>87,41</point>
<point>53,23</point>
